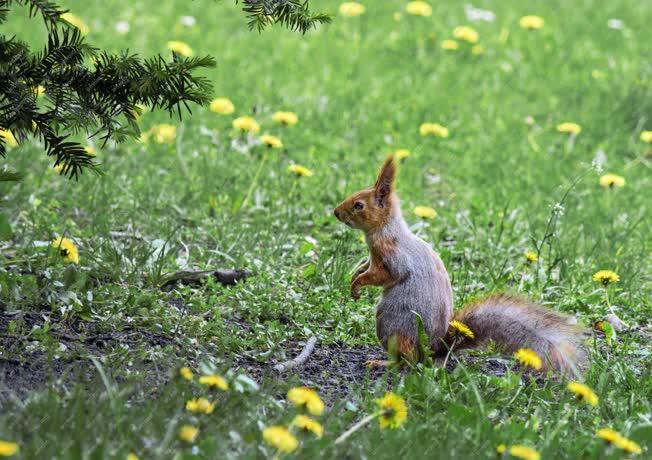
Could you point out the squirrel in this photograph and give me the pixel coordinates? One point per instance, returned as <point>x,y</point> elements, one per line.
<point>415,281</point>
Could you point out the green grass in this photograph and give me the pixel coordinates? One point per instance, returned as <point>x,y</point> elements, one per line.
<point>361,87</point>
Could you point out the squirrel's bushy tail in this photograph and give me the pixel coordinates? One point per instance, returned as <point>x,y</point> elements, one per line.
<point>513,323</point>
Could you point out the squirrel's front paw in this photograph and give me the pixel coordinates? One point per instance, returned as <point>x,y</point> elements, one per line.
<point>355,292</point>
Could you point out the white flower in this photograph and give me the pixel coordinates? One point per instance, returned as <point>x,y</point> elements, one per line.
<point>477,14</point>
<point>558,209</point>
<point>188,21</point>
<point>599,161</point>
<point>122,27</point>
<point>615,24</point>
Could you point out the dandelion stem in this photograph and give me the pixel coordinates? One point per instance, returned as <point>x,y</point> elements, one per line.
<point>341,438</point>
<point>254,181</point>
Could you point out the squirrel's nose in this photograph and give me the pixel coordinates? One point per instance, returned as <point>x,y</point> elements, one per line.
<point>337,214</point>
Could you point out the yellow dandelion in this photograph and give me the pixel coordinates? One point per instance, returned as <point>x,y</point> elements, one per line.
<point>303,422</point>
<point>501,448</point>
<point>285,118</point>
<point>477,50</point>
<point>308,398</point>
<point>280,438</point>
<point>583,392</point>
<point>188,433</point>
<point>8,137</point>
<point>401,154</point>
<point>425,212</point>
<point>351,9</point>
<point>300,171</point>
<point>605,277</point>
<point>180,47</point>
<point>7,449</point>
<point>214,381</point>
<point>247,124</point>
<point>212,202</point>
<point>528,357</point>
<point>272,142</point>
<point>459,327</point>
<point>202,405</point>
<point>393,410</point>
<point>186,373</point>
<point>162,134</point>
<point>132,456</point>
<point>612,180</point>
<point>67,250</point>
<point>524,452</point>
<point>466,33</point>
<point>39,90</point>
<point>90,150</point>
<point>418,9</point>
<point>613,437</point>
<point>449,45</point>
<point>531,22</point>
<point>531,256</point>
<point>569,127</point>
<point>222,105</point>
<point>434,129</point>
<point>646,136</point>
<point>76,22</point>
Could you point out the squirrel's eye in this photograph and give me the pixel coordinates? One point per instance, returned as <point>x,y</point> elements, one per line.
<point>358,205</point>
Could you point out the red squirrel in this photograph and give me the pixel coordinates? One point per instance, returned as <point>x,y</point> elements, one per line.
<point>414,280</point>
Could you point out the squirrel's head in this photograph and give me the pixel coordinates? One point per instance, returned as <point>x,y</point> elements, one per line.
<point>371,208</point>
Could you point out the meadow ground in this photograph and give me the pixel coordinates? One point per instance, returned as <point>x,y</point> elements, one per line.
<point>90,352</point>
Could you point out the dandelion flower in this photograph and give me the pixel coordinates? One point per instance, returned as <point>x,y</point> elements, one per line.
<point>477,50</point>
<point>222,105</point>
<point>449,45</point>
<point>285,118</point>
<point>8,137</point>
<point>247,124</point>
<point>186,373</point>
<point>303,422</point>
<point>132,456</point>
<point>400,154</point>
<point>418,9</point>
<point>162,134</point>
<point>466,33</point>
<point>569,127</point>
<point>39,90</point>
<point>90,150</point>
<point>531,256</point>
<point>459,327</point>
<point>67,250</point>
<point>501,448</point>
<point>76,22</point>
<point>393,410</point>
<point>528,357</point>
<point>180,47</point>
<point>425,212</point>
<point>308,398</point>
<point>613,437</point>
<point>351,9</point>
<point>531,22</point>
<point>583,392</point>
<point>272,142</point>
<point>524,452</point>
<point>646,136</point>
<point>605,277</point>
<point>434,129</point>
<point>202,405</point>
<point>280,438</point>
<point>188,433</point>
<point>214,381</point>
<point>7,449</point>
<point>612,180</point>
<point>300,171</point>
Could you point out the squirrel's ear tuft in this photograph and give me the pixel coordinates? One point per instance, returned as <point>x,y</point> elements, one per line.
<point>385,182</point>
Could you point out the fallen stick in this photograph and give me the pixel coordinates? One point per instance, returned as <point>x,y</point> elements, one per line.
<point>300,359</point>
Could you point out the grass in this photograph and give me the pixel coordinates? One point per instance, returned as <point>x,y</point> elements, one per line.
<point>361,87</point>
